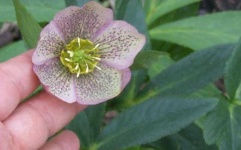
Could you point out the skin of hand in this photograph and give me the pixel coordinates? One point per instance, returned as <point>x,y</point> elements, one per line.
<point>28,125</point>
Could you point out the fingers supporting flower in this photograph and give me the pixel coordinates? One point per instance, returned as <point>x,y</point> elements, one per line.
<point>33,122</point>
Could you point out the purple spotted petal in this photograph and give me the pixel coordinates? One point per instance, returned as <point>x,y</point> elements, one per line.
<point>119,43</point>
<point>101,85</point>
<point>83,22</point>
<point>126,77</point>
<point>49,45</point>
<point>56,80</point>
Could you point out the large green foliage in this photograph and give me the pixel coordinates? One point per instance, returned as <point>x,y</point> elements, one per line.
<point>201,32</point>
<point>233,73</point>
<point>158,8</point>
<point>29,28</point>
<point>152,120</point>
<point>42,10</point>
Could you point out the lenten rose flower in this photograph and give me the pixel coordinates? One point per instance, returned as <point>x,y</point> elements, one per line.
<point>84,55</point>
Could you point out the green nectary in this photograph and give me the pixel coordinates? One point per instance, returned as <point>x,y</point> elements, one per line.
<point>80,56</point>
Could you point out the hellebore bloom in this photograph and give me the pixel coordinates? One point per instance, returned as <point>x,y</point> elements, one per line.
<point>84,55</point>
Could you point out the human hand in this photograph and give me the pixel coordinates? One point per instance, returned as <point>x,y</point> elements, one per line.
<point>28,125</point>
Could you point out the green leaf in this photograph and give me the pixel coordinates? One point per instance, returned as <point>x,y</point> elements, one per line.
<point>189,74</point>
<point>161,64</point>
<point>189,138</point>
<point>223,126</point>
<point>151,5</point>
<point>145,59</point>
<point>238,93</point>
<point>29,28</point>
<point>42,10</point>
<point>233,71</point>
<point>160,8</point>
<point>127,96</point>
<point>76,2</point>
<point>133,12</point>
<point>7,11</point>
<point>12,50</point>
<point>209,91</point>
<point>87,124</point>
<point>180,13</point>
<point>201,32</point>
<point>176,52</point>
<point>138,148</point>
<point>151,120</point>
<point>184,12</point>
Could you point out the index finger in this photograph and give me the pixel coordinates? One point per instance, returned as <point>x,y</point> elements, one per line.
<point>17,81</point>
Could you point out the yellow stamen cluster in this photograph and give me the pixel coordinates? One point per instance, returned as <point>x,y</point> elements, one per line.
<point>80,56</point>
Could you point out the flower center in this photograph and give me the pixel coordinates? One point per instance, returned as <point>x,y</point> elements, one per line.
<point>80,56</point>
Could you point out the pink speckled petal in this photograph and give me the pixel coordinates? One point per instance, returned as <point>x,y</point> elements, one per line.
<point>83,22</point>
<point>57,80</point>
<point>49,45</point>
<point>119,43</point>
<point>126,77</point>
<point>101,85</point>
